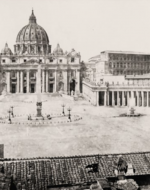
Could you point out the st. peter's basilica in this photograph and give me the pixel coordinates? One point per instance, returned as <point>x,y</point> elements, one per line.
<point>60,71</point>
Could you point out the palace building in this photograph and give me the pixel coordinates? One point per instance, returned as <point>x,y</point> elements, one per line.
<point>116,77</point>
<point>60,71</point>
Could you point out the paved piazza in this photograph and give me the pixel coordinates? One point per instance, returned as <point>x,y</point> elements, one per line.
<point>98,131</point>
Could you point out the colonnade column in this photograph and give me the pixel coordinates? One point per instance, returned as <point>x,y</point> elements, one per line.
<point>147,98</point>
<point>113,103</point>
<point>47,81</point>
<point>118,99</point>
<point>127,98</point>
<point>17,81</point>
<point>55,81</point>
<point>27,81</point>
<point>97,98</point>
<point>43,81</point>
<point>8,82</point>
<point>123,99</point>
<point>21,82</point>
<point>142,98</point>
<point>138,100</point>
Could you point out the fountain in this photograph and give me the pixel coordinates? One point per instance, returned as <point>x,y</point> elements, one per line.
<point>131,111</point>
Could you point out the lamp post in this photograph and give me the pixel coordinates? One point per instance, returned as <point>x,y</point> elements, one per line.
<point>63,112</point>
<point>12,113</point>
<point>9,112</point>
<point>69,116</point>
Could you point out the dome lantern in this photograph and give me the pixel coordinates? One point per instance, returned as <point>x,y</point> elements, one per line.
<point>32,18</point>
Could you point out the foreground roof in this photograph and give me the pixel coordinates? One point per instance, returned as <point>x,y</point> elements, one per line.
<point>72,170</point>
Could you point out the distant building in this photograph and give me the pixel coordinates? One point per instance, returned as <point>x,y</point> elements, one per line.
<point>60,70</point>
<point>122,62</point>
<point>117,77</point>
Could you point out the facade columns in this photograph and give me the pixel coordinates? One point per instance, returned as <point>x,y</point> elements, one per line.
<point>47,81</point>
<point>132,94</point>
<point>147,98</point>
<point>21,82</point>
<point>78,81</point>
<point>8,82</point>
<point>105,98</point>
<point>36,74</point>
<point>65,81</point>
<point>17,81</point>
<point>28,81</point>
<point>55,90</point>
<point>113,102</point>
<point>43,81</point>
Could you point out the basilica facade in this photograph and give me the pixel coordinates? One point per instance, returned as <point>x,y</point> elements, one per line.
<point>60,71</point>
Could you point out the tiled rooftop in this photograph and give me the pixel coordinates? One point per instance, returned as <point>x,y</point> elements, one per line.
<point>70,170</point>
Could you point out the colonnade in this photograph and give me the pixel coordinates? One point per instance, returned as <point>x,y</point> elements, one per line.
<point>122,98</point>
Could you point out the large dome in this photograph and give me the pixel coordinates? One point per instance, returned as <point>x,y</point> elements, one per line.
<point>32,33</point>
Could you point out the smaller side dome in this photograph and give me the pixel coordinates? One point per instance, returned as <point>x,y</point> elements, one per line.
<point>6,50</point>
<point>73,53</point>
<point>58,50</point>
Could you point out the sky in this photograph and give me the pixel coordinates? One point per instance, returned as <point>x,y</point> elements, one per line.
<point>88,26</point>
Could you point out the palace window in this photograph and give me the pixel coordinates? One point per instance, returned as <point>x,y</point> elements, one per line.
<point>51,60</point>
<point>13,60</point>
<point>60,60</point>
<point>40,60</point>
<point>51,74</point>
<point>32,74</point>
<point>3,60</point>
<point>72,59</point>
<point>60,74</point>
<point>25,60</point>
<point>24,74</point>
<point>13,74</point>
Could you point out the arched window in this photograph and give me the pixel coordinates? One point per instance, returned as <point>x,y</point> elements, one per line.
<point>60,73</point>
<point>72,59</point>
